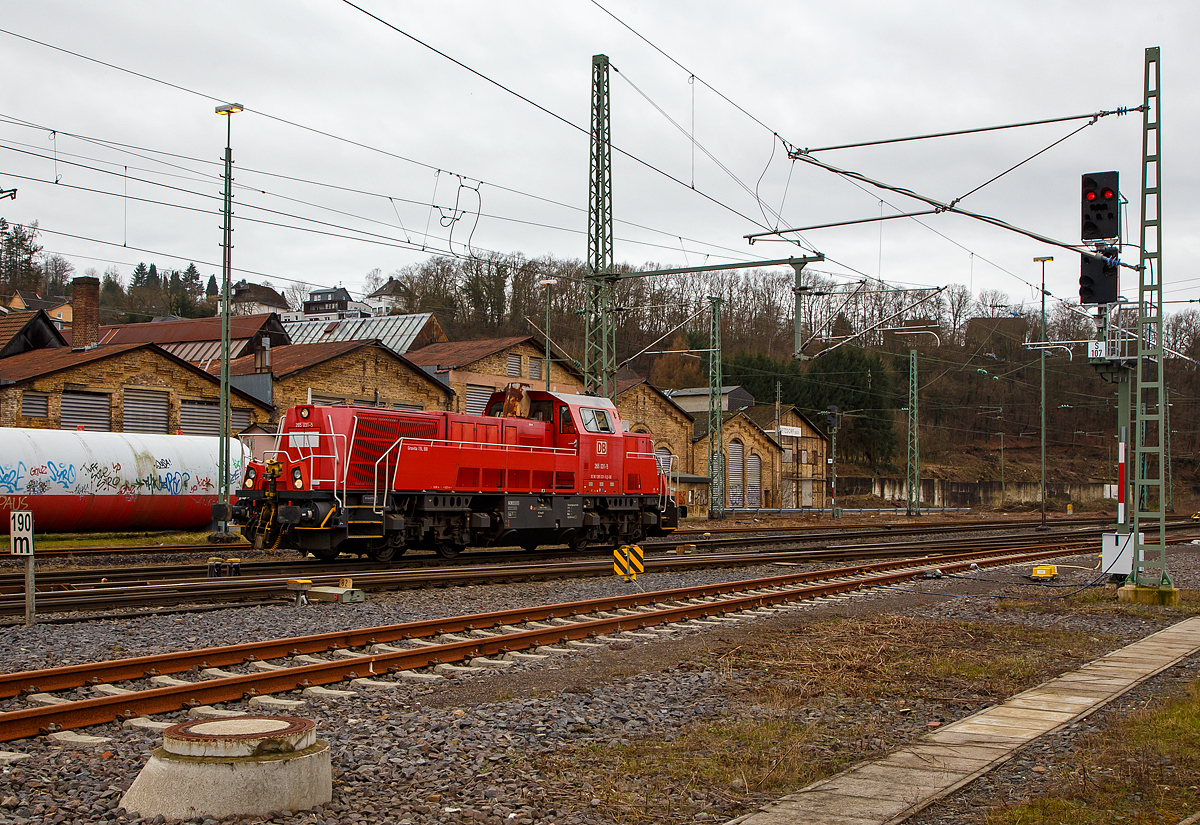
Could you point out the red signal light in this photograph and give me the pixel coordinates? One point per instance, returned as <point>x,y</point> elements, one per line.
<point>1089,195</point>
<point>1107,193</point>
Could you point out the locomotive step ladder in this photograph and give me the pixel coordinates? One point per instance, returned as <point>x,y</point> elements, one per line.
<point>363,521</point>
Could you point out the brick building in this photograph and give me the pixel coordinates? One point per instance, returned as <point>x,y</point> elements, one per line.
<point>365,373</point>
<point>803,476</point>
<point>119,388</point>
<point>196,339</point>
<point>752,463</point>
<point>476,369</point>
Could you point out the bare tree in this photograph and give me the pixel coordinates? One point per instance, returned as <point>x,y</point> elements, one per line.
<point>372,281</point>
<point>296,294</point>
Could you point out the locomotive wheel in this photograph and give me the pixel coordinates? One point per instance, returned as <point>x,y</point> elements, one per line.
<point>327,554</point>
<point>448,549</point>
<point>387,552</point>
<point>577,544</point>
<point>529,546</point>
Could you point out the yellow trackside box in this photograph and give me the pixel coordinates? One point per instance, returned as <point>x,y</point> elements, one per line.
<point>1044,571</point>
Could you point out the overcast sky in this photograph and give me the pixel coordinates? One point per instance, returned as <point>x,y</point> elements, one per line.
<point>407,128</point>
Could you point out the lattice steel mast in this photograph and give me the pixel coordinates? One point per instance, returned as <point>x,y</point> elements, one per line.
<point>1149,510</point>
<point>716,435</point>
<point>600,353</point>
<point>914,450</point>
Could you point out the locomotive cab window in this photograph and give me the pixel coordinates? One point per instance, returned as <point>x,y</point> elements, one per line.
<point>565,424</point>
<point>596,421</point>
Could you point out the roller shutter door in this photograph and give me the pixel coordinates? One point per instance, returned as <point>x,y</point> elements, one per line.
<point>754,481</point>
<point>734,474</point>
<point>408,407</point>
<point>535,368</point>
<point>514,364</point>
<point>241,419</point>
<point>477,398</point>
<point>145,411</point>
<point>92,411</point>
<point>326,400</point>
<point>200,417</point>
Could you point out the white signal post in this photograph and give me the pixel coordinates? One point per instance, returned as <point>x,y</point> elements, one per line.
<point>20,536</point>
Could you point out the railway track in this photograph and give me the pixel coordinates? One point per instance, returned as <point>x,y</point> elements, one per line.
<point>816,530</point>
<point>63,591</point>
<point>363,656</point>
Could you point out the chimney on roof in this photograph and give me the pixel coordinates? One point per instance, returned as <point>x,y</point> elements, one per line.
<point>85,312</point>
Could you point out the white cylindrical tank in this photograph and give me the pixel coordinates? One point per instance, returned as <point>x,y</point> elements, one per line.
<point>77,481</point>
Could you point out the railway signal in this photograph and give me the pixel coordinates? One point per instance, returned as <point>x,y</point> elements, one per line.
<point>1100,207</point>
<point>1098,281</point>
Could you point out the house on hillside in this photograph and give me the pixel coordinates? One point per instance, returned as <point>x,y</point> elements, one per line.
<point>254,299</point>
<point>476,369</point>
<point>331,304</point>
<point>390,298</point>
<point>57,308</point>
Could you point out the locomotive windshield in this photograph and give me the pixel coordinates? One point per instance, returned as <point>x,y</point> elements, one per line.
<point>596,421</point>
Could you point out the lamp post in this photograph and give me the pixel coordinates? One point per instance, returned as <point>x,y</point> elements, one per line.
<point>223,533</point>
<point>1045,340</point>
<point>548,282</point>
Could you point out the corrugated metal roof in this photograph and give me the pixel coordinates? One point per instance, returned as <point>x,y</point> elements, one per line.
<point>241,327</point>
<point>397,332</point>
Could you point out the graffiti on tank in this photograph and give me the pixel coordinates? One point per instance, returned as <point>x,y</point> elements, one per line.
<point>162,464</point>
<point>36,487</point>
<point>202,483</point>
<point>62,474</point>
<point>38,471</point>
<point>10,477</point>
<point>102,477</point>
<point>170,483</point>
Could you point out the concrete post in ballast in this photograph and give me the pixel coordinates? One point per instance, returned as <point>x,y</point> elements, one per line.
<point>240,766</point>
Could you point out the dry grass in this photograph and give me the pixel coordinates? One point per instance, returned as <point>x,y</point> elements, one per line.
<point>808,703</point>
<point>1103,601</point>
<point>1145,770</point>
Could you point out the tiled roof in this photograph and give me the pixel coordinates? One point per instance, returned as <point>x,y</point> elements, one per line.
<point>397,332</point>
<point>190,329</point>
<point>23,324</point>
<point>456,354</point>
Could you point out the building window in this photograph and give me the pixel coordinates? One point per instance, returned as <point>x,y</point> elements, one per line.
<point>535,368</point>
<point>514,364</point>
<point>35,404</point>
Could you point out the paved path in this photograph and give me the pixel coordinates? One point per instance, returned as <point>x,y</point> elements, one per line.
<point>891,789</point>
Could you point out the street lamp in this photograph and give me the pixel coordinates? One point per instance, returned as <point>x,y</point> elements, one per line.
<point>1045,340</point>
<point>548,282</point>
<point>223,533</point>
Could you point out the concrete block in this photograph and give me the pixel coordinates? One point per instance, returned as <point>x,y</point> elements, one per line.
<point>483,661</point>
<point>9,757</point>
<point>216,673</point>
<point>1136,594</point>
<point>257,665</point>
<point>347,653</point>
<point>446,668</point>
<point>145,723</point>
<point>209,712</point>
<point>328,693</point>
<point>70,737</point>
<point>46,699</point>
<point>110,690</point>
<point>305,659</point>
<point>417,676</point>
<point>169,681</point>
<point>374,684</point>
<point>276,703</point>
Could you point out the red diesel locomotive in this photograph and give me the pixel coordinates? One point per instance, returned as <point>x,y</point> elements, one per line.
<point>538,468</point>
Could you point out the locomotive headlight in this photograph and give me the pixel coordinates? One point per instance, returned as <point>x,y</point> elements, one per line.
<point>297,478</point>
<point>305,412</point>
<point>251,474</point>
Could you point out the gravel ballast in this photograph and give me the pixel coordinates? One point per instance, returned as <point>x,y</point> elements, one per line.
<point>458,750</point>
